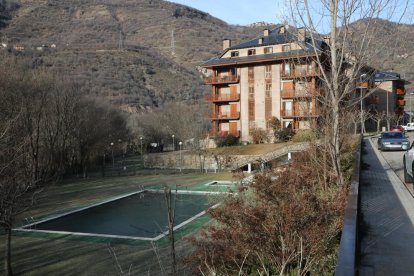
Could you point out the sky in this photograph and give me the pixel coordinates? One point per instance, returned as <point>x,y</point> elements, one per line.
<point>243,12</point>
<point>237,12</point>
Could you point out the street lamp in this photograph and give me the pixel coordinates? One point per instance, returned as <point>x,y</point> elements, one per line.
<point>142,158</point>
<point>180,143</point>
<point>362,111</point>
<point>173,142</point>
<point>112,152</point>
<point>411,107</point>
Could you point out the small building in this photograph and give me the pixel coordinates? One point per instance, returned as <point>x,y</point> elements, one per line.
<point>19,47</point>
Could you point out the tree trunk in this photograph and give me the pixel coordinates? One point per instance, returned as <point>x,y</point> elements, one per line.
<point>170,213</point>
<point>7,260</point>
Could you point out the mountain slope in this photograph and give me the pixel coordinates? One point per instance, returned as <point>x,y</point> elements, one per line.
<point>132,53</point>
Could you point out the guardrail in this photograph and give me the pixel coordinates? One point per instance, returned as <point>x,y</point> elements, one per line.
<point>347,263</point>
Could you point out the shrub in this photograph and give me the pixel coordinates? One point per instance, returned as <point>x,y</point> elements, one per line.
<point>284,134</point>
<point>274,226</point>
<point>304,135</point>
<point>259,136</point>
<point>226,141</point>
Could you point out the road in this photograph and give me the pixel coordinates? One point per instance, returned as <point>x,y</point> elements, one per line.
<point>395,160</point>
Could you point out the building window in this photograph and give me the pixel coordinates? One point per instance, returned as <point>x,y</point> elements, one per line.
<point>268,50</point>
<point>250,73</point>
<point>268,89</point>
<point>251,110</point>
<point>268,72</point>
<point>251,52</point>
<point>286,69</point>
<point>286,48</point>
<point>234,54</point>
<point>251,91</point>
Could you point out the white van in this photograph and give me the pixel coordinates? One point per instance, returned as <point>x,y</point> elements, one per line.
<point>409,127</point>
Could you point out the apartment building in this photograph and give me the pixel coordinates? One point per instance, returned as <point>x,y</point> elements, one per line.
<point>273,75</point>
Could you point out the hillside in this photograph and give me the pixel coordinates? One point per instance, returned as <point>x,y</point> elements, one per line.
<point>132,53</point>
<point>392,48</point>
<point>142,53</point>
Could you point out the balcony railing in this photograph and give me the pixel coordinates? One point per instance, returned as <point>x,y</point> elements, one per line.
<point>222,98</point>
<point>298,113</point>
<point>400,102</point>
<point>300,73</point>
<point>400,91</point>
<point>291,93</point>
<point>222,79</point>
<point>363,84</point>
<point>235,133</point>
<point>226,116</point>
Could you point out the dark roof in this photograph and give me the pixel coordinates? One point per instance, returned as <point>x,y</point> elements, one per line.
<point>258,58</point>
<point>387,76</point>
<point>274,37</point>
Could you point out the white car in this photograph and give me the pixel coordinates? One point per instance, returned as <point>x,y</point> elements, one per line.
<point>408,161</point>
<point>409,127</point>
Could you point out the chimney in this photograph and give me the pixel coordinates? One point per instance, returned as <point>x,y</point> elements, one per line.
<point>301,34</point>
<point>226,43</point>
<point>282,30</point>
<point>260,40</point>
<point>266,32</point>
<point>327,39</point>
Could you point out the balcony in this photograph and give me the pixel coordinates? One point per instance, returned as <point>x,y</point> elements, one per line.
<point>298,113</point>
<point>222,79</point>
<point>226,116</point>
<point>400,102</point>
<point>363,84</point>
<point>222,98</point>
<point>300,73</point>
<point>300,94</point>
<point>223,133</point>
<point>400,91</point>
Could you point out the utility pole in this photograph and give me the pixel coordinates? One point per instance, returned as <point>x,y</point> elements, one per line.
<point>172,43</point>
<point>120,41</point>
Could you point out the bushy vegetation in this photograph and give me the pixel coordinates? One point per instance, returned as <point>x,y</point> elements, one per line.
<point>284,134</point>
<point>226,141</point>
<point>259,136</point>
<point>274,226</point>
<point>304,135</point>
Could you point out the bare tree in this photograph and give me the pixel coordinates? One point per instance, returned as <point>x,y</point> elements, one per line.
<point>346,52</point>
<point>170,200</point>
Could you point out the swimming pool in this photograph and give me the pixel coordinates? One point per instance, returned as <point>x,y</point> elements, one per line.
<point>141,215</point>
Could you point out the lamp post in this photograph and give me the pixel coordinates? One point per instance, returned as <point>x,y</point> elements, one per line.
<point>411,107</point>
<point>112,153</point>
<point>173,142</point>
<point>180,143</point>
<point>142,158</point>
<point>362,111</point>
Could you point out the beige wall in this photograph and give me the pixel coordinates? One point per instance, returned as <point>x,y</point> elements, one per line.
<point>259,93</point>
<point>244,112</point>
<point>383,90</point>
<point>276,90</point>
<point>260,49</point>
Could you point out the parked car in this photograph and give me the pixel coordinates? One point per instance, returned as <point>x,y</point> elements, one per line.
<point>393,140</point>
<point>408,161</point>
<point>397,128</point>
<point>409,127</point>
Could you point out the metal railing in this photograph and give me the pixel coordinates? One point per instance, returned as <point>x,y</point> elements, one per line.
<point>222,79</point>
<point>348,248</point>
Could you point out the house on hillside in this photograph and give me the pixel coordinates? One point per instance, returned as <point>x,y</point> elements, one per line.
<point>273,75</point>
<point>19,47</point>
